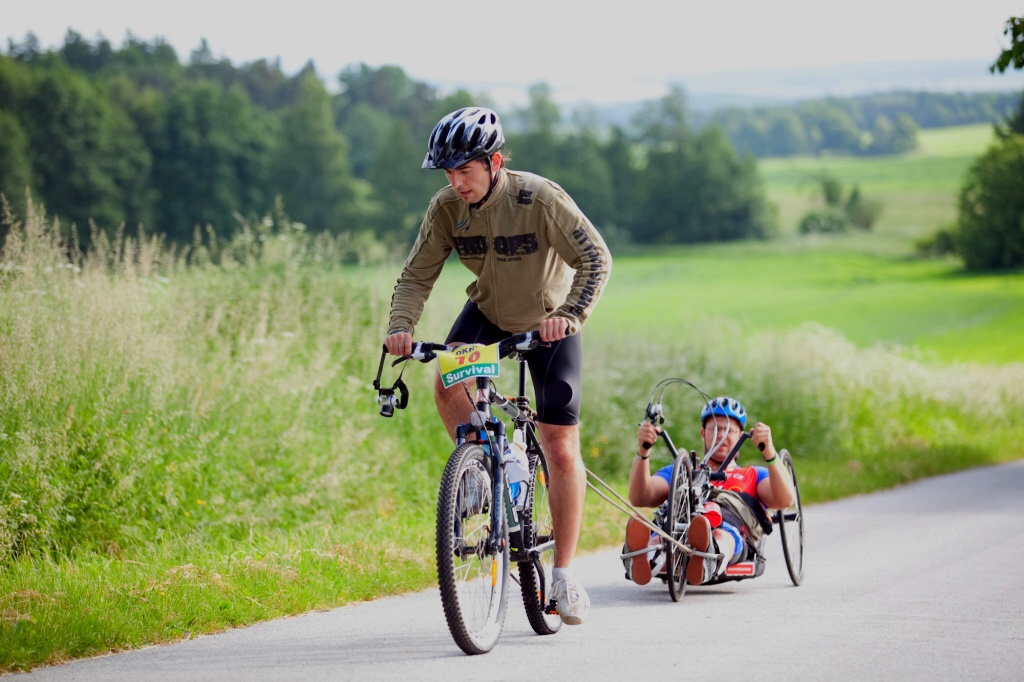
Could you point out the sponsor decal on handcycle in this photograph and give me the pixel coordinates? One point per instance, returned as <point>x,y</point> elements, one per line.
<point>741,568</point>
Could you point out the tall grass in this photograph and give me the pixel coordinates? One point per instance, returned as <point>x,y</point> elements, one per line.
<point>188,439</point>
<point>856,419</point>
<point>147,392</point>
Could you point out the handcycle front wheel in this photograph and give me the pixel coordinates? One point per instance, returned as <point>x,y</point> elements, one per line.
<point>472,580</point>
<point>538,538</point>
<point>791,526</point>
<point>677,520</point>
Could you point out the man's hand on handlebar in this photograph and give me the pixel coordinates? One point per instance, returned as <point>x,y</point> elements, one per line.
<point>554,329</point>
<point>761,434</point>
<point>399,343</point>
<point>647,436</point>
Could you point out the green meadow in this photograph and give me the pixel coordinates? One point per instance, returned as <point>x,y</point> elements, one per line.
<point>189,441</point>
<point>918,189</point>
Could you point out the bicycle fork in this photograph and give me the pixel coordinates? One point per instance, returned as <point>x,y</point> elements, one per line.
<point>490,433</point>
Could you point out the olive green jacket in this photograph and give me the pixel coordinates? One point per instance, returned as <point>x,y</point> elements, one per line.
<point>533,252</point>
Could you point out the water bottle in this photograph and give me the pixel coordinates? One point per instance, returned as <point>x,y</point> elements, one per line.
<point>517,468</point>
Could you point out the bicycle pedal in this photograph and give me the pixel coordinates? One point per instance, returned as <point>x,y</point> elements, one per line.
<point>552,608</point>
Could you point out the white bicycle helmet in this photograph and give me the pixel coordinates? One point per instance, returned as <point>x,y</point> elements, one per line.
<point>463,135</point>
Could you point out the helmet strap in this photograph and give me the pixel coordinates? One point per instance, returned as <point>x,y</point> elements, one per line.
<point>494,181</point>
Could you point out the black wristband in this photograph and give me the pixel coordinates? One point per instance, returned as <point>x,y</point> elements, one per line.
<point>639,456</point>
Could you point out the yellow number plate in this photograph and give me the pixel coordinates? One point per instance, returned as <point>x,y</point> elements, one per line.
<point>466,362</point>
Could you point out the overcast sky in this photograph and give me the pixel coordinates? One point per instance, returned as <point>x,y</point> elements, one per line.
<point>591,51</point>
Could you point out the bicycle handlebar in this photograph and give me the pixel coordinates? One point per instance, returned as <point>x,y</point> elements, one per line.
<point>425,351</point>
<point>397,397</point>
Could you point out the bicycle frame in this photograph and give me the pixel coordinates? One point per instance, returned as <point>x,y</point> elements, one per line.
<point>483,426</point>
<point>491,433</point>
<point>522,537</point>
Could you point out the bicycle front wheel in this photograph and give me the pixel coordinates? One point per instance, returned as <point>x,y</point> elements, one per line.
<point>679,513</point>
<point>539,541</point>
<point>473,579</point>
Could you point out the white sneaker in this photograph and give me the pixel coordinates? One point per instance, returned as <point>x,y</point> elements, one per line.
<point>571,601</point>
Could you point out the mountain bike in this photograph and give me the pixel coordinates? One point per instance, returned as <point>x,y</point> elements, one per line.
<point>480,532</point>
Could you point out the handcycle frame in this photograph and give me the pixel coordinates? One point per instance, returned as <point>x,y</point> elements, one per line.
<point>524,537</point>
<point>690,488</point>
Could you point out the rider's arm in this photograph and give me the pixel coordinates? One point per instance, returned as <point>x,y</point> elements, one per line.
<point>422,268</point>
<point>646,490</point>
<point>776,491</point>
<point>579,244</point>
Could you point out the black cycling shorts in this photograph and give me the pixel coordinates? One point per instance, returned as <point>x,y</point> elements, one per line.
<point>556,370</point>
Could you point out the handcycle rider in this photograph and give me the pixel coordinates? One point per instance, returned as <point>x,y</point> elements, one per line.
<point>733,515</point>
<point>539,265</point>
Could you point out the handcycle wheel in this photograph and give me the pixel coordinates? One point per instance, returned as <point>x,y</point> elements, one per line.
<point>677,520</point>
<point>791,526</point>
<point>535,575</point>
<point>473,582</point>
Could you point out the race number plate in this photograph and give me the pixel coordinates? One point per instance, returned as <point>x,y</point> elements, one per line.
<point>466,362</point>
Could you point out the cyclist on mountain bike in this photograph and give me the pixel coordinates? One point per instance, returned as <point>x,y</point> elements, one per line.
<point>539,264</point>
<point>723,529</point>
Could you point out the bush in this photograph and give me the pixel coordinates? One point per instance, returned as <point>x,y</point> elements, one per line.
<point>942,243</point>
<point>825,221</point>
<point>838,215</point>
<point>990,225</point>
<point>862,212</point>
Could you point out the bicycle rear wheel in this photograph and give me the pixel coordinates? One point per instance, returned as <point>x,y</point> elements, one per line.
<point>473,580</point>
<point>677,520</point>
<point>791,526</point>
<point>539,535</point>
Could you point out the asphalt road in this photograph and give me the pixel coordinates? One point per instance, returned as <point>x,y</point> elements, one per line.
<point>924,582</point>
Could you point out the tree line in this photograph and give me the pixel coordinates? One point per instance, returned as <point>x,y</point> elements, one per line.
<point>885,123</point>
<point>132,135</point>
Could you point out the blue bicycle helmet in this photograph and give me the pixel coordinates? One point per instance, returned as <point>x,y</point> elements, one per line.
<point>463,135</point>
<point>727,407</point>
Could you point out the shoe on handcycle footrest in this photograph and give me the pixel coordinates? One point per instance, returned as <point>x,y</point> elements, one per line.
<point>700,569</point>
<point>638,537</point>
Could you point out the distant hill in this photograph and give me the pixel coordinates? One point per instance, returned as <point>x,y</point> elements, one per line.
<point>707,92</point>
<point>741,88</point>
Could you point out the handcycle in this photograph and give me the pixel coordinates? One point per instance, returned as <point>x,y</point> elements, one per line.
<point>690,489</point>
<point>477,538</point>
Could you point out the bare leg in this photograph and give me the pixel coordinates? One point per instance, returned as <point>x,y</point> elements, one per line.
<point>726,545</point>
<point>452,405</point>
<point>568,487</point>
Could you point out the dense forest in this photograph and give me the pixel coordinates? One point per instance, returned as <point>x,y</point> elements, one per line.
<point>107,136</point>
